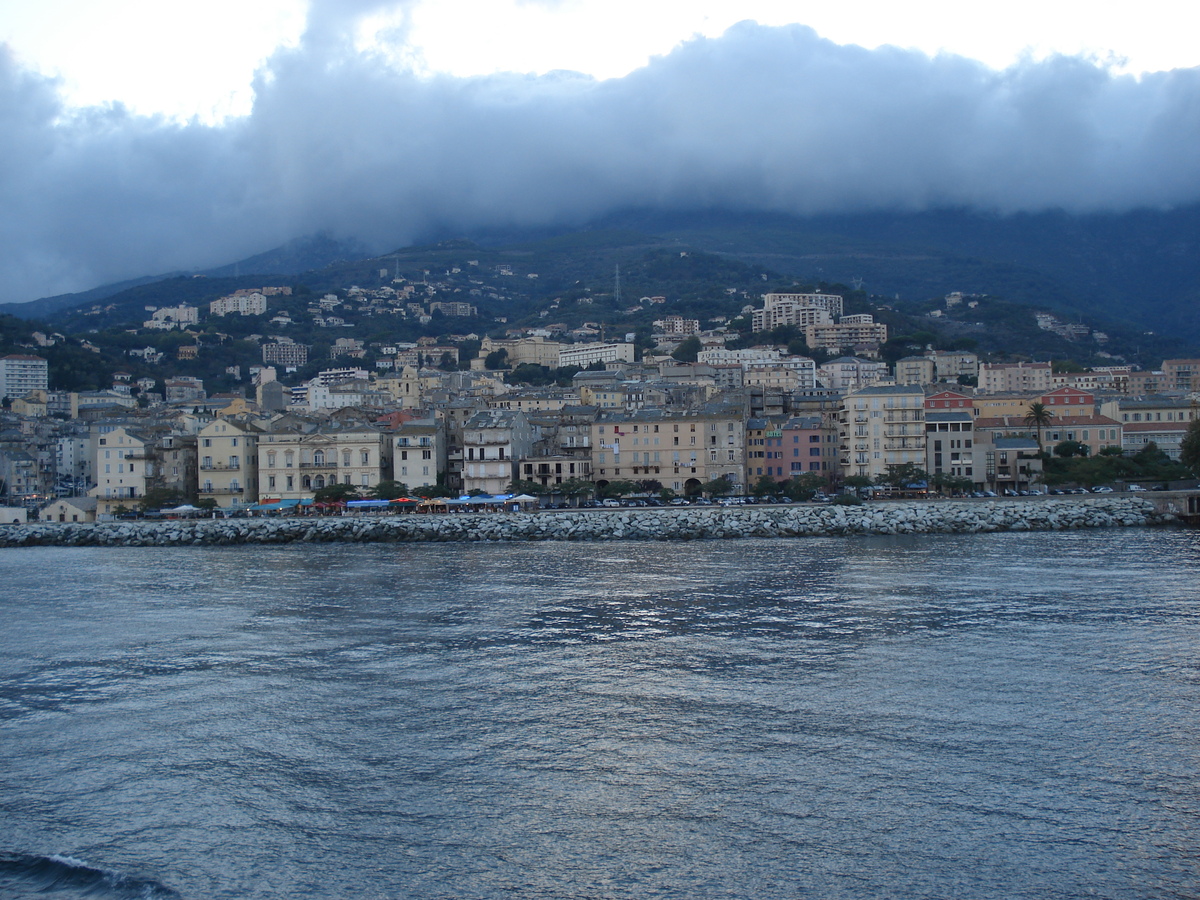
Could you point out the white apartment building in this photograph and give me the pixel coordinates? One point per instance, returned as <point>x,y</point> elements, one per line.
<point>849,331</point>
<point>848,373</point>
<point>245,303</point>
<point>584,355</point>
<point>493,442</point>
<point>796,309</point>
<point>20,374</point>
<point>882,425</point>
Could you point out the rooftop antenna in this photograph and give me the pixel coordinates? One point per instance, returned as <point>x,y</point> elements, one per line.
<point>617,286</point>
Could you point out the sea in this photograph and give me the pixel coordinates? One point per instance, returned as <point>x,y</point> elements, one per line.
<point>935,716</point>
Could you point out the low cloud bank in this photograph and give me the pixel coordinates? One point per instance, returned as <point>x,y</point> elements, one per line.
<point>773,119</point>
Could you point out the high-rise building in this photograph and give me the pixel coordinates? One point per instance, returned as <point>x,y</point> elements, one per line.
<point>20,374</point>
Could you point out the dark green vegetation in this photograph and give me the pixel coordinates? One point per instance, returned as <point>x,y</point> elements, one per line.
<point>1070,464</point>
<point>1124,275</point>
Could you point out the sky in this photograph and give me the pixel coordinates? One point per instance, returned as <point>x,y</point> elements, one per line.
<point>139,137</point>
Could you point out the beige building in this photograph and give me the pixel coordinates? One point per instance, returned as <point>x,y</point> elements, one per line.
<point>849,331</point>
<point>882,425</point>
<point>1020,377</point>
<point>130,463</point>
<point>295,464</point>
<point>419,452</point>
<point>533,350</point>
<point>915,370</point>
<point>69,509</point>
<point>682,451</point>
<point>227,454</point>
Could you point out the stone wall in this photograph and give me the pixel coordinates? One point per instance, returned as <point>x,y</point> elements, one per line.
<point>667,524</point>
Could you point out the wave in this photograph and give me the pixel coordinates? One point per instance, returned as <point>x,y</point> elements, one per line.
<point>27,875</point>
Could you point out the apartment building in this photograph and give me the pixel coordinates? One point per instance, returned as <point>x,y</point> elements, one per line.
<point>21,373</point>
<point>493,442</point>
<point>882,425</point>
<point>680,450</point>
<point>227,456</point>
<point>419,452</point>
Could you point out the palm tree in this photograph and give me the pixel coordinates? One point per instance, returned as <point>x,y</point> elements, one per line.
<point>1039,417</point>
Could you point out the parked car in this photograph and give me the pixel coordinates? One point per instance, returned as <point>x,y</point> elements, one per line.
<point>1135,487</point>
<point>1102,490</point>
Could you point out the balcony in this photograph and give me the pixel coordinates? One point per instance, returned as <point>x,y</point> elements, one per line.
<point>216,467</point>
<point>322,465</point>
<point>221,491</point>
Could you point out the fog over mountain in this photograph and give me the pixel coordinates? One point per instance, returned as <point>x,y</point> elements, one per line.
<point>760,119</point>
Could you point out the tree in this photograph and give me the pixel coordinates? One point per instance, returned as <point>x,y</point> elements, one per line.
<point>336,493</point>
<point>1067,449</point>
<point>688,350</point>
<point>857,482</point>
<point>718,487</point>
<point>1038,417</point>
<point>524,486</point>
<point>389,490</point>
<point>161,498</point>
<point>618,489</point>
<point>803,487</point>
<point>1189,449</point>
<point>764,486</point>
<point>497,359</point>
<point>575,487</point>
<point>904,475</point>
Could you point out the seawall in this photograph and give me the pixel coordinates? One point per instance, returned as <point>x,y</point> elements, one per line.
<point>657,524</point>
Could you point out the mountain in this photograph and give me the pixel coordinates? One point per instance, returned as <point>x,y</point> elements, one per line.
<point>301,255</point>
<point>1140,269</point>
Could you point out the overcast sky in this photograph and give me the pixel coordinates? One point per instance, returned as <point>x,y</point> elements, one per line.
<point>138,137</point>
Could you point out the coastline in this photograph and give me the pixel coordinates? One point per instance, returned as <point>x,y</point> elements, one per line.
<point>653,524</point>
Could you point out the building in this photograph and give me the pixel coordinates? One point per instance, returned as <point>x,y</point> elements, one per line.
<point>915,370</point>
<point>954,365</point>
<point>796,309</point>
<point>1011,378</point>
<point>419,452</point>
<point>295,460</point>
<point>810,446</point>
<point>1012,464</point>
<point>1096,431</point>
<point>131,463</point>
<point>882,426</point>
<point>848,331</point>
<point>584,355</point>
<point>227,453</point>
<point>1159,419</point>
<point>20,374</point>
<point>69,509</point>
<point>848,373</point>
<point>243,302</point>
<point>287,354</point>
<point>680,450</point>
<point>1181,375</point>
<point>951,447</point>
<point>493,442</point>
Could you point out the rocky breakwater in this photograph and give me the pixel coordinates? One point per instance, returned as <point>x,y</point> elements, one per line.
<point>665,524</point>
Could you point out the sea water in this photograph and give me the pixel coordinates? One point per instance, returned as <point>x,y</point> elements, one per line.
<point>989,716</point>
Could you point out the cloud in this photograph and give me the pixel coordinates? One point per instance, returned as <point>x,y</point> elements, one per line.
<point>760,118</point>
